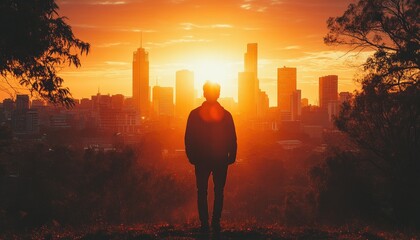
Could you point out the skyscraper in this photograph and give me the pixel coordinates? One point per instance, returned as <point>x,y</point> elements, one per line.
<point>141,94</point>
<point>22,102</point>
<point>185,94</point>
<point>163,101</point>
<point>246,94</point>
<point>328,90</point>
<point>295,104</point>
<point>263,104</point>
<point>251,58</point>
<point>248,85</point>
<point>286,86</point>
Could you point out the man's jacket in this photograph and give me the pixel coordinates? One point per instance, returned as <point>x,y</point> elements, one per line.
<point>210,137</point>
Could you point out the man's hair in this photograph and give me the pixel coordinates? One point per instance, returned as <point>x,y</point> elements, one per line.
<point>211,88</point>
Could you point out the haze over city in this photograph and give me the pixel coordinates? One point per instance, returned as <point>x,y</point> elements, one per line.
<point>208,38</point>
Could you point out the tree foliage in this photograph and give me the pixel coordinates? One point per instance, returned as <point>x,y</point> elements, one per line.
<point>35,43</point>
<point>391,29</point>
<point>384,116</point>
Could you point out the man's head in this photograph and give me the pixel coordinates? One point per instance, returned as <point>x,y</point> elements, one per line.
<point>211,91</point>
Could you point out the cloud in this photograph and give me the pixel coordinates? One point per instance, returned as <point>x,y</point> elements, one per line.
<point>221,26</point>
<point>109,3</point>
<point>276,2</point>
<point>258,6</point>
<point>177,1</point>
<point>292,47</point>
<point>107,45</point>
<point>116,63</point>
<point>246,6</point>
<point>190,26</point>
<point>252,29</point>
<point>187,39</point>
<point>114,28</point>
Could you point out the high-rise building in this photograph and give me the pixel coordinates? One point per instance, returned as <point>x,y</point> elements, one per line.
<point>8,107</point>
<point>344,96</point>
<point>286,85</point>
<point>85,103</point>
<point>328,90</point>
<point>101,101</point>
<point>304,102</point>
<point>185,93</point>
<point>22,102</point>
<point>141,97</point>
<point>117,101</point>
<point>295,104</point>
<point>163,101</point>
<point>251,59</point>
<point>229,104</point>
<point>38,103</point>
<point>24,120</point>
<point>263,104</point>
<point>248,85</point>
<point>246,94</point>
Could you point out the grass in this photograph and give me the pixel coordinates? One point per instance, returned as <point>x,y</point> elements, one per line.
<point>190,231</point>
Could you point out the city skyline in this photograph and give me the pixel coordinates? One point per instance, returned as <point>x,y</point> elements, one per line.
<point>207,38</point>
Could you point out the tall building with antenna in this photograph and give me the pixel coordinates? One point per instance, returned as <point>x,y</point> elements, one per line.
<point>141,92</point>
<point>251,100</point>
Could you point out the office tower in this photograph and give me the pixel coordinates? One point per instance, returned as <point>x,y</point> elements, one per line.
<point>141,82</point>
<point>117,101</point>
<point>229,104</point>
<point>248,85</point>
<point>304,102</point>
<point>286,85</point>
<point>32,121</point>
<point>251,59</point>
<point>345,96</point>
<point>163,98</point>
<point>37,103</point>
<point>8,107</point>
<point>263,104</point>
<point>246,94</point>
<point>101,101</point>
<point>22,103</point>
<point>328,90</point>
<point>295,104</point>
<point>85,103</point>
<point>184,95</point>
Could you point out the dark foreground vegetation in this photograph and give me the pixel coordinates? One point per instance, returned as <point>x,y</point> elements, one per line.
<point>47,190</point>
<point>231,231</point>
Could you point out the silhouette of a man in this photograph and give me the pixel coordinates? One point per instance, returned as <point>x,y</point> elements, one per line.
<point>210,144</point>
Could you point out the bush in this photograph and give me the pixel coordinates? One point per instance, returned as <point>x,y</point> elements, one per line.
<point>64,186</point>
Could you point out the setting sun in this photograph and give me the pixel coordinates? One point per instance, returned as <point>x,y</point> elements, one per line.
<point>215,70</point>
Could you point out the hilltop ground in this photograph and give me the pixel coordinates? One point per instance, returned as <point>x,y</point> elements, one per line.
<point>187,232</point>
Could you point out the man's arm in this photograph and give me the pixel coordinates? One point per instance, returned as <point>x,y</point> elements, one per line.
<point>189,139</point>
<point>232,140</point>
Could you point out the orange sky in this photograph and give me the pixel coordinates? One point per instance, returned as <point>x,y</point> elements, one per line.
<point>208,37</point>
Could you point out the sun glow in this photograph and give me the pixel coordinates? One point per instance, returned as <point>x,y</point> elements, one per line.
<point>216,70</point>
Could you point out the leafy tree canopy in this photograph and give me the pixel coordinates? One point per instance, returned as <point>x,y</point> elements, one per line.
<point>392,29</point>
<point>35,43</point>
<point>384,116</point>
